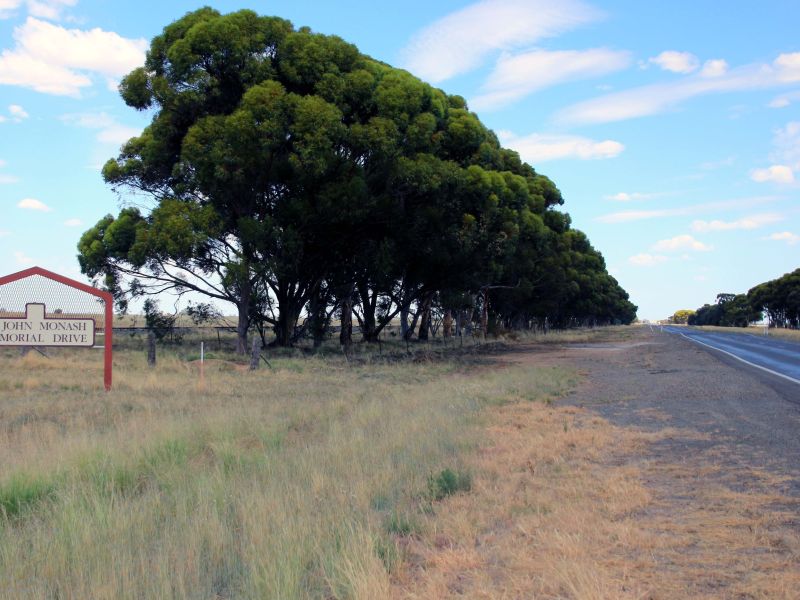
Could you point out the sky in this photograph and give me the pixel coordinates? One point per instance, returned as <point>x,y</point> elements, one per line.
<point>672,129</point>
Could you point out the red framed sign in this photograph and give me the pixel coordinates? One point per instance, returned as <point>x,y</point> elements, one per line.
<point>40,308</point>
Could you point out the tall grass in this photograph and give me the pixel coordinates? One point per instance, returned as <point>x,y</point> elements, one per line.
<point>294,482</point>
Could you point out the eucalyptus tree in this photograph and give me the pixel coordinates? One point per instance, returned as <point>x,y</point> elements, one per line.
<point>285,171</point>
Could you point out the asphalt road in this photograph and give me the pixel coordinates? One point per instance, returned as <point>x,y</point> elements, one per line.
<point>778,358</point>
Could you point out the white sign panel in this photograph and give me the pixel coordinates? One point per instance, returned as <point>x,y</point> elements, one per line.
<point>34,329</point>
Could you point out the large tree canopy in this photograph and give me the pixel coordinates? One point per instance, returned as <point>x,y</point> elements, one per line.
<point>288,173</point>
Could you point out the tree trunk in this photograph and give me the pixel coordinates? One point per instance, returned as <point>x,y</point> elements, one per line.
<point>447,324</point>
<point>369,303</point>
<point>243,324</point>
<point>318,317</point>
<point>288,314</point>
<point>425,318</point>
<point>485,313</point>
<point>346,333</point>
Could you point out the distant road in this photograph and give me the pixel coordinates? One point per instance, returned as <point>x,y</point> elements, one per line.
<point>778,357</point>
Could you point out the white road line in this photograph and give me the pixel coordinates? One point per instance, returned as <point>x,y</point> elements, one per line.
<point>747,362</point>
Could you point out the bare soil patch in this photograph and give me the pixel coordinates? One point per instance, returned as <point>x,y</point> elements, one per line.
<point>668,474</point>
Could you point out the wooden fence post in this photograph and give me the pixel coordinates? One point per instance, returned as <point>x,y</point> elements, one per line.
<point>255,354</point>
<point>151,349</point>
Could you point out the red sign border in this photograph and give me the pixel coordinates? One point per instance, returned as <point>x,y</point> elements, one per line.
<point>108,299</point>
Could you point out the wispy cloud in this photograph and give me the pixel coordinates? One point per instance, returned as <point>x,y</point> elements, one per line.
<point>109,130</point>
<point>784,100</point>
<point>17,112</point>
<point>680,243</point>
<point>463,40</point>
<point>536,148</point>
<point>23,259</point>
<point>49,9</point>
<point>751,222</point>
<point>647,260</point>
<point>773,174</point>
<point>785,236</point>
<point>73,223</point>
<point>657,98</point>
<point>520,75</point>
<point>787,144</point>
<point>713,165</point>
<point>627,216</point>
<point>633,196</point>
<point>6,179</point>
<point>677,62</point>
<point>51,59</point>
<point>33,204</point>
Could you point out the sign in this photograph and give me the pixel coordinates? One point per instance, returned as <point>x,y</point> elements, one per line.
<point>35,329</point>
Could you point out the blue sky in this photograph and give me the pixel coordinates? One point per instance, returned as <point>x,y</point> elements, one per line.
<point>672,129</point>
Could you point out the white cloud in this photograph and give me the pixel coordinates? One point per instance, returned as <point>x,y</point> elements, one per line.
<point>22,259</point>
<point>682,211</point>
<point>55,60</point>
<point>117,134</point>
<point>751,222</point>
<point>4,233</point>
<point>17,112</point>
<point>33,204</point>
<point>784,100</point>
<point>462,40</point>
<point>677,62</point>
<point>517,76</point>
<point>536,148</point>
<point>785,236</point>
<point>787,144</point>
<point>714,68</point>
<point>7,7</point>
<point>681,242</point>
<point>110,132</point>
<point>658,98</point>
<point>774,174</point>
<point>647,260</point>
<point>718,164</point>
<point>49,9</point>
<point>700,278</point>
<point>73,223</point>
<point>6,179</point>
<point>630,196</point>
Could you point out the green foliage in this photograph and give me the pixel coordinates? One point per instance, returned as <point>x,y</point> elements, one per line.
<point>447,483</point>
<point>284,163</point>
<point>779,299</point>
<point>20,492</point>
<point>681,317</point>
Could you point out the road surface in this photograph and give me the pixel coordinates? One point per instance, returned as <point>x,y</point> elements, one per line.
<point>777,357</point>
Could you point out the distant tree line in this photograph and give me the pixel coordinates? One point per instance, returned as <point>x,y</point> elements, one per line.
<point>301,181</point>
<point>778,299</point>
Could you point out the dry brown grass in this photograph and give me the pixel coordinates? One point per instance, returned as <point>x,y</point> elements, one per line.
<point>560,509</point>
<point>793,335</point>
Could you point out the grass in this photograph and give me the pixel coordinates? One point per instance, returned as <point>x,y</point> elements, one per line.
<point>559,508</point>
<point>792,335</point>
<point>298,481</point>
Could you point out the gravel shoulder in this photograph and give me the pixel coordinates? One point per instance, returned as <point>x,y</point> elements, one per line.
<point>668,473</point>
<point>749,419</point>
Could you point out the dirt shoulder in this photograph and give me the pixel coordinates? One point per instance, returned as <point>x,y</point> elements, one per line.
<point>667,474</point>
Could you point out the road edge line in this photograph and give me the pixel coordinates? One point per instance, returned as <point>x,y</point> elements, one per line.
<point>739,358</point>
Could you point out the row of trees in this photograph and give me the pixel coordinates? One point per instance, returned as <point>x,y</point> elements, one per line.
<point>290,175</point>
<point>778,299</point>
